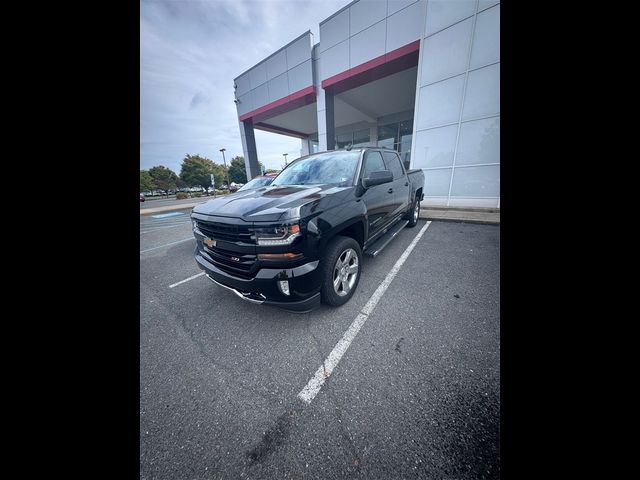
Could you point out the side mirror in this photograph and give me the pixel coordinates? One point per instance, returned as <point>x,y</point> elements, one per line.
<point>407,164</point>
<point>377,178</point>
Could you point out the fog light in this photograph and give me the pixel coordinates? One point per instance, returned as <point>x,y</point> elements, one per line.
<point>283,285</point>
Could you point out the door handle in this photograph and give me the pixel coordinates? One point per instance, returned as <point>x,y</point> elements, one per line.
<point>406,184</point>
<point>390,190</point>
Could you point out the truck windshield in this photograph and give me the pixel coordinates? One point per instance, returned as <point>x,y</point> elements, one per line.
<point>333,167</point>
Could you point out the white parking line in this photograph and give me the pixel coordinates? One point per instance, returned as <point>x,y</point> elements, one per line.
<point>167,244</point>
<point>186,280</point>
<point>150,230</point>
<point>308,393</point>
<point>166,215</point>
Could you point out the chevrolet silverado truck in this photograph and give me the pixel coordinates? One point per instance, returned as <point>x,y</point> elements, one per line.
<point>300,240</point>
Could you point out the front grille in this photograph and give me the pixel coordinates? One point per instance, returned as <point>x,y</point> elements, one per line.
<point>243,267</point>
<point>226,231</point>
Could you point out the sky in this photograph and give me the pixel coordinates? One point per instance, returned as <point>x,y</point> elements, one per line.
<point>190,52</point>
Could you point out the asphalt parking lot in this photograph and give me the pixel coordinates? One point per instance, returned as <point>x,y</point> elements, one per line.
<point>416,394</point>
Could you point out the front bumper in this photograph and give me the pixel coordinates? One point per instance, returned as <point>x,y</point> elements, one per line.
<point>304,284</point>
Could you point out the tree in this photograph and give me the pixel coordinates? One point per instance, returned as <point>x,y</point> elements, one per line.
<point>219,173</point>
<point>196,171</point>
<point>163,178</point>
<point>146,181</point>
<point>238,171</point>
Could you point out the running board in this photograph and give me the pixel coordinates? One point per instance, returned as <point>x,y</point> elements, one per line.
<point>376,247</point>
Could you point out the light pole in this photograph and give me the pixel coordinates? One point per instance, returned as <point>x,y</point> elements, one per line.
<point>285,158</point>
<point>225,167</point>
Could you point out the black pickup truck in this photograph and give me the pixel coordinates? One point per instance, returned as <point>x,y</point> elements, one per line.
<point>301,239</point>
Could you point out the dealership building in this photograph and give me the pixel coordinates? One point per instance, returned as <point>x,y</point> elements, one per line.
<point>421,77</point>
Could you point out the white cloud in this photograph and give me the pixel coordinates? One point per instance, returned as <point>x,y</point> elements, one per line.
<point>190,52</point>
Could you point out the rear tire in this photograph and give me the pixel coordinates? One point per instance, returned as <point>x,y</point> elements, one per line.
<point>341,268</point>
<point>415,212</point>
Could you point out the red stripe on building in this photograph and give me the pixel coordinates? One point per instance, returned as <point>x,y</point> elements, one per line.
<point>276,129</point>
<point>396,54</point>
<point>290,102</point>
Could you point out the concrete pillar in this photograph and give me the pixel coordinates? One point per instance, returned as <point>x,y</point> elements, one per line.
<point>304,146</point>
<point>250,151</point>
<point>322,123</point>
<point>330,120</point>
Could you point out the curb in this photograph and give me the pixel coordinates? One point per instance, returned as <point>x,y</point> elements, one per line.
<point>466,216</point>
<point>168,208</point>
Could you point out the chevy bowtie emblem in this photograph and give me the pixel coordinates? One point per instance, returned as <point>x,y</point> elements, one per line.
<point>209,242</point>
<point>235,259</point>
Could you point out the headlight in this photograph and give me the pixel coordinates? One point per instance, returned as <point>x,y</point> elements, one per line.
<point>279,235</point>
<point>194,223</point>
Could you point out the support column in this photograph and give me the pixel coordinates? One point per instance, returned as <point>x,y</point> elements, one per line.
<point>304,146</point>
<point>250,151</point>
<point>330,119</point>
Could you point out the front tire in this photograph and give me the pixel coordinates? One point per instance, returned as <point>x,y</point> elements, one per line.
<point>342,265</point>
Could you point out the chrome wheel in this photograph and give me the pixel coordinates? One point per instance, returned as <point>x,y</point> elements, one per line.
<point>416,211</point>
<point>345,272</point>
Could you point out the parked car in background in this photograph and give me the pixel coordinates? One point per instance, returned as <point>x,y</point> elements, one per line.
<point>142,199</point>
<point>257,182</point>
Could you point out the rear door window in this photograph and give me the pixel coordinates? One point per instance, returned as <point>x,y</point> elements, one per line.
<point>392,162</point>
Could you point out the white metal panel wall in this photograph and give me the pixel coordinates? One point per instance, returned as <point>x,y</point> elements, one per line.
<point>443,13</point>
<point>300,76</point>
<point>278,87</point>
<point>334,30</point>
<point>367,29</point>
<point>281,74</point>
<point>276,65</point>
<point>365,13</point>
<point>258,75</point>
<point>394,5</point>
<point>404,26</point>
<point>367,44</point>
<point>243,85</point>
<point>299,51</point>
<point>334,60</point>
<point>245,103</point>
<point>456,139</point>
<point>260,95</point>
<point>483,4</point>
<point>447,52</point>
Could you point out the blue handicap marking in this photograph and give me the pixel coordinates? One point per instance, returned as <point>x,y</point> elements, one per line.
<point>165,215</point>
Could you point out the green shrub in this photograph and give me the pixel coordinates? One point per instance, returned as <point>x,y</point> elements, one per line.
<point>182,195</point>
<point>197,194</point>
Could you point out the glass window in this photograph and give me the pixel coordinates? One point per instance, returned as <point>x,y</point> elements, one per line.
<point>406,158</point>
<point>392,162</point>
<point>344,139</point>
<point>256,183</point>
<point>406,134</point>
<point>335,167</point>
<point>314,145</point>
<point>388,135</point>
<point>373,163</point>
<point>361,138</point>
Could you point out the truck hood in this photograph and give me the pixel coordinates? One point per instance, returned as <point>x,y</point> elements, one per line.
<point>267,204</point>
